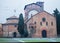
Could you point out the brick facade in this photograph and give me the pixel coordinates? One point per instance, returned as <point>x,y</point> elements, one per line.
<point>10,27</point>
<point>50,28</point>
<point>1,31</point>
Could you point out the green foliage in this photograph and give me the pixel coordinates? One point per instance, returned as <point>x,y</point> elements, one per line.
<point>25,31</point>
<point>21,25</point>
<point>22,28</point>
<point>57,15</point>
<point>56,12</point>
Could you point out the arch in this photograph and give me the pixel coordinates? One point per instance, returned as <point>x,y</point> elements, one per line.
<point>32,7</point>
<point>44,33</point>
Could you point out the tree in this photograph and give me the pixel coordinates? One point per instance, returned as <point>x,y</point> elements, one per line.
<point>14,34</point>
<point>21,25</point>
<point>58,26</point>
<point>56,12</point>
<point>57,15</point>
<point>25,31</point>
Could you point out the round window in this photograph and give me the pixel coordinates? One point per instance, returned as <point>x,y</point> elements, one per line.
<point>43,19</point>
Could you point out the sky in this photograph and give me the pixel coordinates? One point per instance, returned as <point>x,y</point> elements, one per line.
<point>7,7</point>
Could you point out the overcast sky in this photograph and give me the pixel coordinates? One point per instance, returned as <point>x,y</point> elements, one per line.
<point>7,7</point>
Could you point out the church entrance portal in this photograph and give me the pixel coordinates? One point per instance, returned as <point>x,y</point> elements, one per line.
<point>44,34</point>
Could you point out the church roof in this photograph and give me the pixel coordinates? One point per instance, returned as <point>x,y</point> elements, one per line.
<point>37,3</point>
<point>12,17</point>
<point>38,13</point>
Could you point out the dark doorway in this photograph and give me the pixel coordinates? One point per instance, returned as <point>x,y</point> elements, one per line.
<point>14,34</point>
<point>44,34</point>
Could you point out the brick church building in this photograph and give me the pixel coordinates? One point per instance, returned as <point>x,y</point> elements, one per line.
<point>39,22</point>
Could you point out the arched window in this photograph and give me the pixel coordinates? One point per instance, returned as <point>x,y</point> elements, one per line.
<point>52,23</point>
<point>46,23</point>
<point>31,26</point>
<point>41,23</point>
<point>43,19</point>
<point>34,22</point>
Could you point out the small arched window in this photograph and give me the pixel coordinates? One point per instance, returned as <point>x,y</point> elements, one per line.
<point>34,22</point>
<point>52,23</point>
<point>46,23</point>
<point>41,23</point>
<point>32,27</point>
